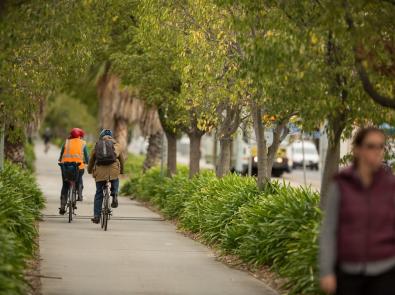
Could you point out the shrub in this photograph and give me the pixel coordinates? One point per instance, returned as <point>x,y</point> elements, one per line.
<point>30,157</point>
<point>276,227</point>
<point>217,202</point>
<point>11,264</point>
<point>280,230</point>
<point>134,164</point>
<point>20,205</point>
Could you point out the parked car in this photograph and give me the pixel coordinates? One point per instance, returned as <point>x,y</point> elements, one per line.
<point>280,163</point>
<point>311,157</point>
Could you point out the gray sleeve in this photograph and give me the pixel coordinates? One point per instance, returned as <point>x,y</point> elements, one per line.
<point>328,235</point>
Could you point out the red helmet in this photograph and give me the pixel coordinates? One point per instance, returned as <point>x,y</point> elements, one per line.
<point>76,132</point>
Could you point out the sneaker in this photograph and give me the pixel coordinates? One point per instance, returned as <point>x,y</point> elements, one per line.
<point>95,220</point>
<point>114,203</point>
<point>62,209</point>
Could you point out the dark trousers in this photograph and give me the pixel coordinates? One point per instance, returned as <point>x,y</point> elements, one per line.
<point>99,194</point>
<point>383,284</point>
<point>65,186</point>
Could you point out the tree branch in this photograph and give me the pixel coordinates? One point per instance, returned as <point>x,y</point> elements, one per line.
<point>384,101</point>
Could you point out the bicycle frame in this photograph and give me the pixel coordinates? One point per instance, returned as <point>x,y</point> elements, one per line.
<point>72,190</point>
<point>106,211</point>
<point>71,199</point>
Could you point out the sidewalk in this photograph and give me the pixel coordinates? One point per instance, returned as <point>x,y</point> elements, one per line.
<point>140,254</point>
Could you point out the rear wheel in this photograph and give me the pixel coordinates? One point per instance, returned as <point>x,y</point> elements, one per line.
<point>106,212</point>
<point>70,205</point>
<point>277,172</point>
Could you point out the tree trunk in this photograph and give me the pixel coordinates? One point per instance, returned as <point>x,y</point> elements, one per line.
<point>121,135</point>
<point>279,134</point>
<point>261,146</point>
<point>332,160</point>
<point>171,153</point>
<point>194,152</point>
<point>14,150</point>
<point>108,95</point>
<point>337,123</point>
<point>215,150</point>
<point>225,156</point>
<point>2,135</point>
<point>153,151</point>
<point>230,123</point>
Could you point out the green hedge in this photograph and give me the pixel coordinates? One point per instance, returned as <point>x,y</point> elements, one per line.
<point>20,205</point>
<point>277,227</point>
<point>30,157</point>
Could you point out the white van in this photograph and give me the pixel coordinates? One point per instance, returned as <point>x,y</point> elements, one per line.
<point>311,157</point>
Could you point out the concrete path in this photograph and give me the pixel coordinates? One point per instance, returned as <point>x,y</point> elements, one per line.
<point>140,254</point>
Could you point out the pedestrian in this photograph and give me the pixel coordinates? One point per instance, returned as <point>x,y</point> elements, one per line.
<point>106,163</point>
<point>357,242</point>
<point>47,136</point>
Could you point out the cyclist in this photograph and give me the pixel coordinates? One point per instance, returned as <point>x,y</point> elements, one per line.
<point>73,150</point>
<point>106,163</point>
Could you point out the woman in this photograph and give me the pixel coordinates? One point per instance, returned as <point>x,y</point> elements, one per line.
<point>357,243</point>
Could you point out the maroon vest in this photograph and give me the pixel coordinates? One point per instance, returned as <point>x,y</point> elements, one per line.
<point>366,228</point>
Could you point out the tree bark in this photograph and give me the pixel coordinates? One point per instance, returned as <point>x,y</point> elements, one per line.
<point>14,150</point>
<point>171,153</point>
<point>223,167</point>
<point>194,152</point>
<point>230,123</point>
<point>153,151</point>
<point>215,150</point>
<point>261,146</point>
<point>337,123</point>
<point>121,135</point>
<point>279,134</point>
<point>108,95</point>
<point>332,159</point>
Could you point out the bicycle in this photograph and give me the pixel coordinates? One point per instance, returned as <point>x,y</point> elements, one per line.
<point>106,211</point>
<point>70,172</point>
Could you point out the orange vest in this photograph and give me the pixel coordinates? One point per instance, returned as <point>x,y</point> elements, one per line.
<point>74,151</point>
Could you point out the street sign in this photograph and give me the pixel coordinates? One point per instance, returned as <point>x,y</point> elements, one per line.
<point>293,129</point>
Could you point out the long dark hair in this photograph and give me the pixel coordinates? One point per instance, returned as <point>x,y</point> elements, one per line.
<point>360,136</point>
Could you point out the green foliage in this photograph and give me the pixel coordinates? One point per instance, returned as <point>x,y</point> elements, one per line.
<point>66,112</point>
<point>30,157</point>
<point>20,205</point>
<point>134,164</point>
<point>280,229</point>
<point>11,264</point>
<point>210,209</point>
<point>276,227</point>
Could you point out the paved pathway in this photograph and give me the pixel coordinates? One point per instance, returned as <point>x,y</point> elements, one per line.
<point>138,255</point>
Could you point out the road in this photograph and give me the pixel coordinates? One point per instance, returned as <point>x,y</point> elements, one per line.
<point>140,254</point>
<point>296,178</point>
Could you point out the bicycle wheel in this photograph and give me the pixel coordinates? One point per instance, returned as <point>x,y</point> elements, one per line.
<point>70,204</point>
<point>102,218</point>
<point>74,199</point>
<point>80,192</point>
<point>106,211</point>
<point>103,210</point>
